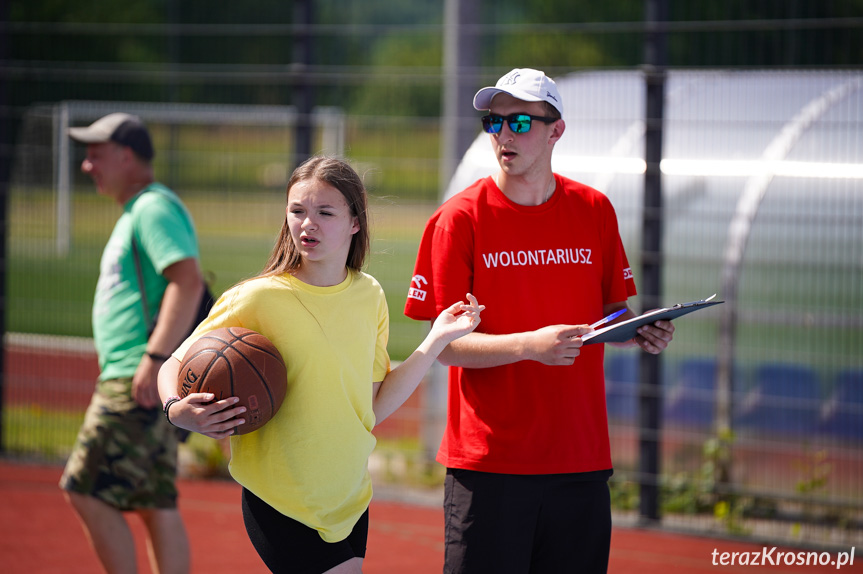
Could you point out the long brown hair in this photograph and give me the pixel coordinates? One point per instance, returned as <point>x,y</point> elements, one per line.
<point>285,257</point>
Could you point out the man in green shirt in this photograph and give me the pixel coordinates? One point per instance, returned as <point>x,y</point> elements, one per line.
<point>125,456</point>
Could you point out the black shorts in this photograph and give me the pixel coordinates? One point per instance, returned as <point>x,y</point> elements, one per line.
<point>519,524</point>
<point>286,545</point>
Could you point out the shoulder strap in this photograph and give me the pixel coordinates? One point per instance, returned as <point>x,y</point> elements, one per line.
<point>140,274</point>
<point>139,271</point>
<point>207,299</point>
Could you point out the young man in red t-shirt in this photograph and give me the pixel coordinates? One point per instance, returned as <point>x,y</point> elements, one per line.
<point>526,441</point>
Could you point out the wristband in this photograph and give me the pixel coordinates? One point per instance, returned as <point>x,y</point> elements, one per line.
<point>158,357</point>
<point>170,401</point>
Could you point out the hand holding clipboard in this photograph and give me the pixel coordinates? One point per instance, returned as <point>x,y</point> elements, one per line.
<point>626,330</point>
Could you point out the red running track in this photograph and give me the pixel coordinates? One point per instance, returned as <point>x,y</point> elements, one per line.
<point>40,534</point>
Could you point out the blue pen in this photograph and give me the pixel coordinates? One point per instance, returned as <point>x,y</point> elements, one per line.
<point>609,318</point>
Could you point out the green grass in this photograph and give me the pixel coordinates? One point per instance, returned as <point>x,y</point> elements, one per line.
<point>30,430</point>
<point>52,294</point>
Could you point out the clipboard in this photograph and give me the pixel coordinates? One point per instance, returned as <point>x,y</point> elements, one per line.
<point>626,330</point>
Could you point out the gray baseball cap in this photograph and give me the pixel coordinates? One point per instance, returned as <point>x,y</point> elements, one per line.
<point>124,129</point>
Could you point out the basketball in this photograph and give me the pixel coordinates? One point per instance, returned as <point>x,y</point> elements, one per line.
<point>236,362</point>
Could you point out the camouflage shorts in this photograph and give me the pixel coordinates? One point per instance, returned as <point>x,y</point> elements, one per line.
<point>124,455</point>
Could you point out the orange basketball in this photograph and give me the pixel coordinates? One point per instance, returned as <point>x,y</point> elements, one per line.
<point>236,362</point>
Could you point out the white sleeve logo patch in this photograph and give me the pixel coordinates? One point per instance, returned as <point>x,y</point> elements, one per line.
<point>417,292</point>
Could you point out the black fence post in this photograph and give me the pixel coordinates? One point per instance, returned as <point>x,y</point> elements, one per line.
<point>650,372</point>
<point>7,143</point>
<point>304,97</point>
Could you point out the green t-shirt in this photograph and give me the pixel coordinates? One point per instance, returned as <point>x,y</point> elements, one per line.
<point>165,234</point>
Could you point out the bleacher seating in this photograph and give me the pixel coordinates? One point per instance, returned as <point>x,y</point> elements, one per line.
<point>691,398</point>
<point>621,386</point>
<point>786,399</point>
<point>842,416</point>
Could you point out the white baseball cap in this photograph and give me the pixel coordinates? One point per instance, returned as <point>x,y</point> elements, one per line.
<point>524,84</point>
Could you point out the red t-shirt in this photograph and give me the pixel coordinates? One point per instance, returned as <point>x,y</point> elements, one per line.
<point>531,266</point>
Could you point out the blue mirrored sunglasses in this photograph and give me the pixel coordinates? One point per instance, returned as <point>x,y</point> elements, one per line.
<point>518,123</point>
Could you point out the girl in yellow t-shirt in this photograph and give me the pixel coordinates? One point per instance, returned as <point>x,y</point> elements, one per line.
<point>306,485</point>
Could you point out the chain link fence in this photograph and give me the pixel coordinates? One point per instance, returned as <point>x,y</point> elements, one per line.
<point>778,152</point>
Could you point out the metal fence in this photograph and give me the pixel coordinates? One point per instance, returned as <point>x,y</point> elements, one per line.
<point>763,186</point>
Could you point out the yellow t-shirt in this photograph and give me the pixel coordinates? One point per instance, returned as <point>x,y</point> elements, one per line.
<point>310,462</point>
